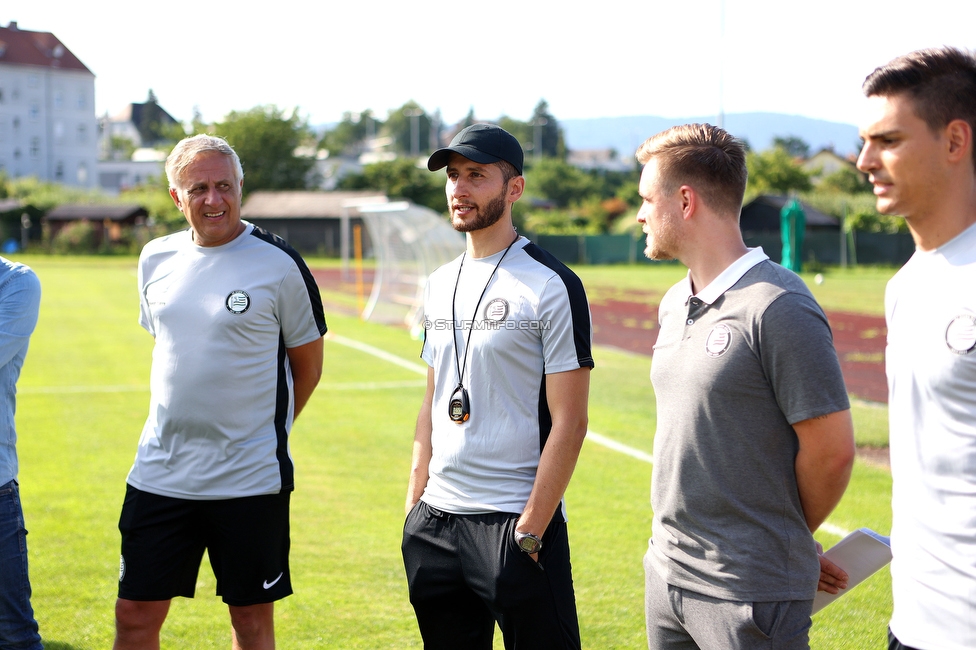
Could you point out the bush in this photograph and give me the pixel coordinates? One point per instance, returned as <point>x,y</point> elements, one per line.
<point>75,238</point>
<point>871,221</point>
<point>560,222</point>
<point>859,210</point>
<point>79,238</point>
<point>845,180</point>
<point>401,179</point>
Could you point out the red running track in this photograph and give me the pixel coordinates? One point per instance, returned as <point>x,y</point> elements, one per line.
<point>632,325</point>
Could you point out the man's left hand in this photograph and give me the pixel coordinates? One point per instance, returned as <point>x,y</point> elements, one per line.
<point>832,577</point>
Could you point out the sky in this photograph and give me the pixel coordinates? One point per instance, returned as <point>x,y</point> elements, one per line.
<point>606,58</point>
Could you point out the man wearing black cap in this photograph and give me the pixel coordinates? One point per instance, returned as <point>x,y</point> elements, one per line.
<point>501,425</point>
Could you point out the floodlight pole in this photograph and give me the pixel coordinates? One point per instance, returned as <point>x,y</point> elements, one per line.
<point>414,115</point>
<point>538,123</point>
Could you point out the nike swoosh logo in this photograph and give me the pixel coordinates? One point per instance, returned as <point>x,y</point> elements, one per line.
<point>269,585</point>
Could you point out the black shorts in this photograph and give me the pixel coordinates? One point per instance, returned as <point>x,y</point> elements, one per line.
<point>163,540</point>
<point>895,644</point>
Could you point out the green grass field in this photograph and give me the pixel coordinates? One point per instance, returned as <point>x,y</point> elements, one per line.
<point>82,401</point>
<point>857,290</point>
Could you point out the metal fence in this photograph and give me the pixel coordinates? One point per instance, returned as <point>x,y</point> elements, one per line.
<point>820,247</point>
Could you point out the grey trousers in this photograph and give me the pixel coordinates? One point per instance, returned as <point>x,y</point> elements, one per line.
<point>679,619</point>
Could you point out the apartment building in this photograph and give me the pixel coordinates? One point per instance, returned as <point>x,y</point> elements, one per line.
<point>48,127</point>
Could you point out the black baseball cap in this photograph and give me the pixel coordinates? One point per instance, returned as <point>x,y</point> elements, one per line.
<point>482,143</point>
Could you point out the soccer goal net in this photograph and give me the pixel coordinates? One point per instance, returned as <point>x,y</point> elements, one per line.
<point>409,242</point>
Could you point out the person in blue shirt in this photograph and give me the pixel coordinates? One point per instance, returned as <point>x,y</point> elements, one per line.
<point>20,297</point>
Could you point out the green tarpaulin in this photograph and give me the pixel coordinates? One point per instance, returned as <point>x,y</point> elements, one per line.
<point>793,222</point>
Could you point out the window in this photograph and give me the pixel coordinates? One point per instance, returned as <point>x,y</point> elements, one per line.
<point>59,171</point>
<point>35,111</point>
<point>32,81</point>
<point>82,100</point>
<point>82,134</point>
<point>58,100</point>
<point>35,147</point>
<point>82,174</point>
<point>59,132</point>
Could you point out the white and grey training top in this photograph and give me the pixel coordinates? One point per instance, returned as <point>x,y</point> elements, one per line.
<point>534,320</point>
<point>222,400</point>
<point>930,359</point>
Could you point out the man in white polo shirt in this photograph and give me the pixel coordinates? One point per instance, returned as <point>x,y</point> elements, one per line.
<point>919,153</point>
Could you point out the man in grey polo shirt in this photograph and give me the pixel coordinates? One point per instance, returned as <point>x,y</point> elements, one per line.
<point>754,443</point>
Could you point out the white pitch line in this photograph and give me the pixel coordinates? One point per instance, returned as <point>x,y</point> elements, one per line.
<point>599,439</point>
<point>828,527</point>
<point>610,443</point>
<point>381,354</point>
<point>363,347</point>
<point>60,390</point>
<point>373,385</point>
<point>416,367</point>
<point>80,390</point>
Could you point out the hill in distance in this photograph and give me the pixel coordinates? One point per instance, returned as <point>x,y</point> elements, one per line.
<point>625,134</point>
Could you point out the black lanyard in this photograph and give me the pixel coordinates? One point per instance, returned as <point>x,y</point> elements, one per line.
<point>459,407</point>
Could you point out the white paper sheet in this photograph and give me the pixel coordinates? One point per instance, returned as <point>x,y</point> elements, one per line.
<point>861,554</point>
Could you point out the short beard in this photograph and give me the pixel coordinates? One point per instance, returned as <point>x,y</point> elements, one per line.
<point>487,216</point>
<point>658,253</point>
<point>661,247</point>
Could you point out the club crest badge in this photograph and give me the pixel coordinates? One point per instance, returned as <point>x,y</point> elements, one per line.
<point>237,302</point>
<point>718,341</point>
<point>960,335</point>
<point>496,310</point>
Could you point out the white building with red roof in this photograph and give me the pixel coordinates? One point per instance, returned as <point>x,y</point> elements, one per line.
<point>48,127</point>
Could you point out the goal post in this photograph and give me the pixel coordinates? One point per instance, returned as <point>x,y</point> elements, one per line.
<point>409,241</point>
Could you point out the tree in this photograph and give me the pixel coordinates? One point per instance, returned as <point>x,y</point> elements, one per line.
<point>546,132</point>
<point>154,196</point>
<point>793,145</point>
<point>120,147</point>
<point>266,141</point>
<point>400,179</point>
<point>350,136</point>
<point>468,120</point>
<point>560,182</point>
<point>846,180</point>
<point>155,125</point>
<point>542,131</point>
<point>521,130</point>
<point>775,171</point>
<point>409,126</point>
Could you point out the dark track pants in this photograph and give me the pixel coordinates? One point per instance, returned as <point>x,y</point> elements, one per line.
<point>464,573</point>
